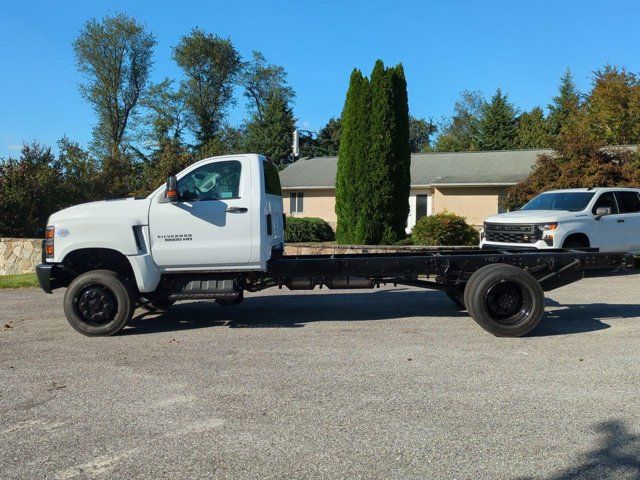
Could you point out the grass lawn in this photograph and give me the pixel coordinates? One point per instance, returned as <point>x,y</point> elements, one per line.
<point>18,281</point>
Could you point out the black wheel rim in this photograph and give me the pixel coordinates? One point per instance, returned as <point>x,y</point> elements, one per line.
<point>96,304</point>
<point>507,302</point>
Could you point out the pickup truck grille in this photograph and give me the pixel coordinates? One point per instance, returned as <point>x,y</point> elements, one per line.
<point>511,233</point>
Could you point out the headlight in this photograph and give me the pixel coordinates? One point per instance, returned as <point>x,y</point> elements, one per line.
<point>548,226</point>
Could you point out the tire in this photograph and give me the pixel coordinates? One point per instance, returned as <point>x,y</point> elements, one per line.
<point>99,303</point>
<point>474,278</point>
<point>457,297</point>
<point>160,304</point>
<point>505,300</point>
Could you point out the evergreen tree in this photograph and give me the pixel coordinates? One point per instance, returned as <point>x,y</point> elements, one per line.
<point>372,188</point>
<point>271,133</point>
<point>352,155</point>
<point>328,141</point>
<point>533,130</point>
<point>564,105</point>
<point>401,167</point>
<point>375,218</point>
<point>497,128</point>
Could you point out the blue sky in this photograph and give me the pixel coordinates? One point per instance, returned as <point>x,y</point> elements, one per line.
<point>445,46</point>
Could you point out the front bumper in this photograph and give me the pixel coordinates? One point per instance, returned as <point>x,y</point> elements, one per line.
<point>539,245</point>
<point>46,277</point>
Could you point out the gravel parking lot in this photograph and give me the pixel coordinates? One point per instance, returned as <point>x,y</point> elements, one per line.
<point>391,383</point>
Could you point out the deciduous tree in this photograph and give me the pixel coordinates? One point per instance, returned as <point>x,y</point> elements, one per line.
<point>115,56</point>
<point>461,132</point>
<point>211,66</point>
<point>260,80</point>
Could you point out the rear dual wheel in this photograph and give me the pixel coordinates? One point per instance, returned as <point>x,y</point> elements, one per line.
<point>504,300</point>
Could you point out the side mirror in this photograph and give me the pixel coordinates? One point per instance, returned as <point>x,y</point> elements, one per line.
<point>172,189</point>
<point>602,211</point>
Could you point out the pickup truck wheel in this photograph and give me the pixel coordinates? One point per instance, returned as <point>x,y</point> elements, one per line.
<point>457,297</point>
<point>160,304</point>
<point>98,303</point>
<point>506,301</point>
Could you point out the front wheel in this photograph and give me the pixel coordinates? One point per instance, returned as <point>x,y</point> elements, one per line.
<point>98,303</point>
<point>505,300</point>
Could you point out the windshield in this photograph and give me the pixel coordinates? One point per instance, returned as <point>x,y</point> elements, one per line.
<point>569,201</point>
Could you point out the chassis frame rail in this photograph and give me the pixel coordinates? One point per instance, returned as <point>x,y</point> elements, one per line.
<point>451,268</point>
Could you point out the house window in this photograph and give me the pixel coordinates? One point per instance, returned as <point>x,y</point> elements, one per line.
<point>422,206</point>
<point>296,202</point>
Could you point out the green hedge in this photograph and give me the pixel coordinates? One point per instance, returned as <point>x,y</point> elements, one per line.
<point>444,229</point>
<point>308,229</point>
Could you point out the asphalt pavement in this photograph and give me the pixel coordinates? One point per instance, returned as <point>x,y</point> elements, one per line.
<point>390,383</point>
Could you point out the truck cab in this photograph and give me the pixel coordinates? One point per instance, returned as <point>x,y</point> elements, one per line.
<point>222,218</point>
<point>604,218</point>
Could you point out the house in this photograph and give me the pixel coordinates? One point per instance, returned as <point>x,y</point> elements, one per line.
<point>471,184</point>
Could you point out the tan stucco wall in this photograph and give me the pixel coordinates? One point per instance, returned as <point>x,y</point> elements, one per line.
<point>317,203</point>
<point>473,203</point>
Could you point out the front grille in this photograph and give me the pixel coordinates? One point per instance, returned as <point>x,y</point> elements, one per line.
<point>510,233</point>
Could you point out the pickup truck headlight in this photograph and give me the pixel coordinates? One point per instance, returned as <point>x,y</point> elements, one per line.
<point>548,226</point>
<point>49,234</point>
<point>547,232</point>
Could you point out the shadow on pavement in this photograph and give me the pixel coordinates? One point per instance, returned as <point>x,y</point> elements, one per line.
<point>579,318</point>
<point>617,455</point>
<point>296,310</point>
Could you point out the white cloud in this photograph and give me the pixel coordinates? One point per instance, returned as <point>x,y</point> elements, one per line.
<point>14,148</point>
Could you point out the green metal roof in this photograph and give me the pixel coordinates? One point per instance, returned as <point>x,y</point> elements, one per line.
<point>504,167</point>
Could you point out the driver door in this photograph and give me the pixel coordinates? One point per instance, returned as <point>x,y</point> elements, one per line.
<point>610,231</point>
<point>209,227</point>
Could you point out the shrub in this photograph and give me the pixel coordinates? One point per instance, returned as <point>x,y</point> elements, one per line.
<point>444,229</point>
<point>308,229</point>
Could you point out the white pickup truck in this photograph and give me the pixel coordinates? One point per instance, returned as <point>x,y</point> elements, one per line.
<point>216,230</point>
<point>604,218</point>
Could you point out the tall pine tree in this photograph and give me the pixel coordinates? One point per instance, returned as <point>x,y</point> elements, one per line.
<point>533,130</point>
<point>372,188</point>
<point>497,128</point>
<point>564,105</point>
<point>270,133</point>
<point>352,156</point>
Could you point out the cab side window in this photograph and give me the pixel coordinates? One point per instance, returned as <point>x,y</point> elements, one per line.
<point>628,201</point>
<point>214,181</point>
<point>607,199</point>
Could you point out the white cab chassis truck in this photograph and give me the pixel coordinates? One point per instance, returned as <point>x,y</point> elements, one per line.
<point>216,231</point>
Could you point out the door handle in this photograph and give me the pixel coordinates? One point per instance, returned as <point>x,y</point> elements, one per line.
<point>620,220</point>
<point>237,210</point>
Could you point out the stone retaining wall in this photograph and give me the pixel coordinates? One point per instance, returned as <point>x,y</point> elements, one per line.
<point>19,255</point>
<point>332,249</point>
